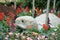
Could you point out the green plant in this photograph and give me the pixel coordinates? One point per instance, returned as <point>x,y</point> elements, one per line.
<point>58,33</point>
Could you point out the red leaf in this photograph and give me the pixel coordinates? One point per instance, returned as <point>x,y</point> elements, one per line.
<point>1,15</point>
<point>59,15</point>
<point>45,27</point>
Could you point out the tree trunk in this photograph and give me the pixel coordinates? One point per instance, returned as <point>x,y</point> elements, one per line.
<point>33,7</point>
<point>54,6</point>
<point>14,4</point>
<point>47,13</point>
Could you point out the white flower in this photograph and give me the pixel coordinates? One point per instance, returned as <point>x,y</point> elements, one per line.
<point>16,39</point>
<point>46,38</point>
<point>55,29</point>
<point>29,38</point>
<point>39,38</point>
<point>44,11</point>
<point>53,34</point>
<point>24,21</point>
<point>10,33</point>
<point>6,38</point>
<point>23,37</point>
<point>7,35</point>
<point>30,11</point>
<point>43,36</point>
<point>17,34</point>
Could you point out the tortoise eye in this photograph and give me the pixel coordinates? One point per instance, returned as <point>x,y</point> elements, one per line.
<point>22,20</point>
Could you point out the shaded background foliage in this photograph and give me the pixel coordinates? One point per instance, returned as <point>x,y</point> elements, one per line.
<point>40,3</point>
